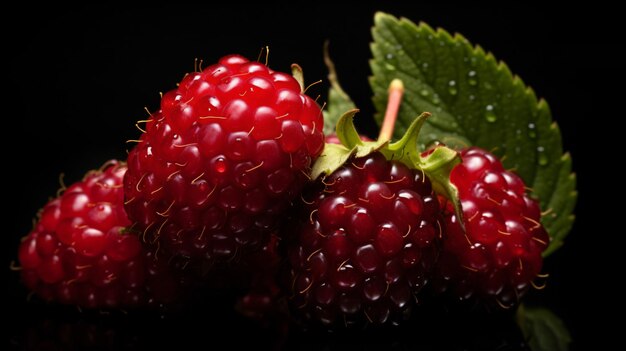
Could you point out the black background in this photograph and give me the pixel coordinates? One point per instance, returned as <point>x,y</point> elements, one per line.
<point>78,78</point>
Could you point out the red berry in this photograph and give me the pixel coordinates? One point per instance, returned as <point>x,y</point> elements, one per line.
<point>357,249</point>
<point>499,254</point>
<point>79,253</point>
<point>221,160</point>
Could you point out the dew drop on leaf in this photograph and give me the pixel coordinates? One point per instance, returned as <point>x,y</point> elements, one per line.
<point>436,99</point>
<point>531,131</point>
<point>452,87</point>
<point>490,116</point>
<point>542,159</point>
<point>471,78</point>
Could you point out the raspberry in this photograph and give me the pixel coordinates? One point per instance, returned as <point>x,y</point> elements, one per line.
<point>363,243</point>
<point>80,252</point>
<point>499,255</point>
<point>220,161</point>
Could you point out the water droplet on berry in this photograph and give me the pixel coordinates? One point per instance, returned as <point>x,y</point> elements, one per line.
<point>220,165</point>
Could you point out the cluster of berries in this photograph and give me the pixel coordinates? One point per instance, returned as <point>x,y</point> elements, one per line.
<point>222,178</point>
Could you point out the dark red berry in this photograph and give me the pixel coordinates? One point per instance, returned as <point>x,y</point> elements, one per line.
<point>221,159</point>
<point>499,254</point>
<point>80,252</point>
<point>360,248</point>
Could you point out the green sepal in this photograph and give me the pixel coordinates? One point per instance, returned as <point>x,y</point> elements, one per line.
<point>346,131</point>
<point>298,75</point>
<point>438,165</point>
<point>333,157</point>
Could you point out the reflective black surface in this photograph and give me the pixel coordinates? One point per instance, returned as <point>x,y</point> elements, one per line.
<point>212,324</point>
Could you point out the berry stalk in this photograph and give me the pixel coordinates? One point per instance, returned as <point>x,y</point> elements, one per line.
<point>396,90</point>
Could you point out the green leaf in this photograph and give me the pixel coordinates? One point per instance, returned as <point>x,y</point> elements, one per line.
<point>543,330</point>
<point>338,101</point>
<point>474,100</point>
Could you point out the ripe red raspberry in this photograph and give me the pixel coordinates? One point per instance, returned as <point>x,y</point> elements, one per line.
<point>222,159</point>
<point>363,243</point>
<point>499,254</point>
<point>80,252</point>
